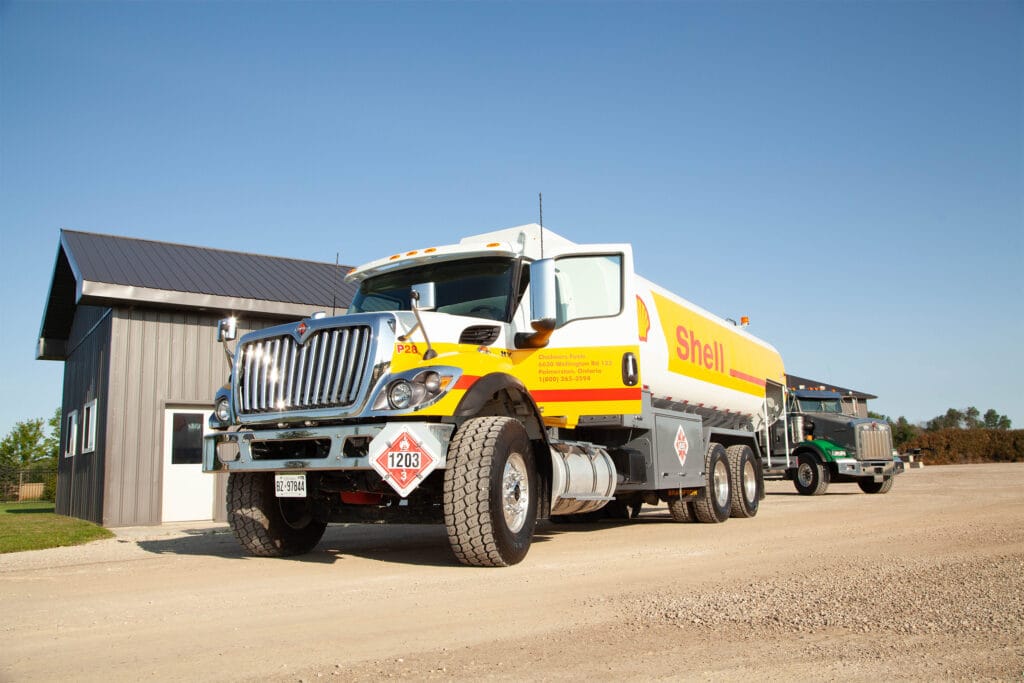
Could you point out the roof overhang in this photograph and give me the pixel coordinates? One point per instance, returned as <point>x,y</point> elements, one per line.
<point>69,289</point>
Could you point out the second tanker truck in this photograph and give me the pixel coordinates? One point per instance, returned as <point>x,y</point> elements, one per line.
<point>512,377</point>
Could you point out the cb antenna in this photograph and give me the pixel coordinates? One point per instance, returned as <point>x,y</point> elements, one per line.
<point>540,201</point>
<point>334,289</point>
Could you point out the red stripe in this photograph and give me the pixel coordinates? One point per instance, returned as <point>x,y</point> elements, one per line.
<point>560,395</point>
<point>747,378</point>
<point>466,381</point>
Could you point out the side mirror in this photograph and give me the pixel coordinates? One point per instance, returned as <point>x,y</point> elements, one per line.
<point>542,305</point>
<point>424,296</point>
<point>227,329</point>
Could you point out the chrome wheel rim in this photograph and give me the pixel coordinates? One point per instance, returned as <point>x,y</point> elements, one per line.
<point>515,492</point>
<point>804,474</point>
<point>721,483</point>
<point>749,481</point>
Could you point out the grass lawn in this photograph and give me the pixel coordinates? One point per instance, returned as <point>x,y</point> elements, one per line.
<point>34,526</point>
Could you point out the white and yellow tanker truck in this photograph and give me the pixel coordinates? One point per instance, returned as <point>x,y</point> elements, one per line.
<point>512,377</point>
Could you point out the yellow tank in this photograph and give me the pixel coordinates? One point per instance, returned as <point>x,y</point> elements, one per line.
<point>693,357</point>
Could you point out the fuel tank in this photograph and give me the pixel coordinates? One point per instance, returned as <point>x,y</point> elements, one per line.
<point>692,357</point>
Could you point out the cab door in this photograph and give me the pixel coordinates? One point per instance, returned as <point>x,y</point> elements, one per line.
<point>590,364</point>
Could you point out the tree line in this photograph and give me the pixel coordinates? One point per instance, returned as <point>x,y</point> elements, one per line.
<point>970,418</point>
<point>32,444</point>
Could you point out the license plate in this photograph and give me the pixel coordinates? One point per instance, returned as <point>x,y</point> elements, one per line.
<point>290,485</point>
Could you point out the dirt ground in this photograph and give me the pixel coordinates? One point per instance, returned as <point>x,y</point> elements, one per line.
<point>926,582</point>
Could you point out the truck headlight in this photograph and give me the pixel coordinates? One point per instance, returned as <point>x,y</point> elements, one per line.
<point>400,395</point>
<point>221,417</point>
<point>223,409</point>
<point>414,389</point>
<point>839,454</point>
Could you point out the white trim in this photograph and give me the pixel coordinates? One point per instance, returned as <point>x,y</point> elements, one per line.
<point>71,434</point>
<point>105,293</point>
<point>89,427</point>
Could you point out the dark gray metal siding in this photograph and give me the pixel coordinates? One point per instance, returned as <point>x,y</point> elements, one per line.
<point>80,478</point>
<point>159,359</point>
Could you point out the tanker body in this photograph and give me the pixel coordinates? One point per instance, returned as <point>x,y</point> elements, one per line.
<point>512,377</point>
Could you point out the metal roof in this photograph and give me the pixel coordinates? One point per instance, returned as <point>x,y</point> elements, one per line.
<point>107,270</point>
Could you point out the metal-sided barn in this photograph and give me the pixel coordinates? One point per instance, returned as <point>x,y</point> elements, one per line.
<point>135,323</point>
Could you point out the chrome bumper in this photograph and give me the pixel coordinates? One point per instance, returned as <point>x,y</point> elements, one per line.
<point>233,451</point>
<point>877,469</point>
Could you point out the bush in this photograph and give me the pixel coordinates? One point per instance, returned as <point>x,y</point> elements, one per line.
<point>963,446</point>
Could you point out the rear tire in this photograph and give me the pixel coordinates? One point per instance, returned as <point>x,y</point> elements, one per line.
<point>267,526</point>
<point>681,510</point>
<point>871,486</point>
<point>746,476</point>
<point>812,477</point>
<point>490,492</point>
<point>715,505</point>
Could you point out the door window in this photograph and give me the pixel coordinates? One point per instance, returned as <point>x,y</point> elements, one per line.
<point>187,439</point>
<point>588,287</point>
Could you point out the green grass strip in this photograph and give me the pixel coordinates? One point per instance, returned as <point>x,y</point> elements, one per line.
<point>34,526</point>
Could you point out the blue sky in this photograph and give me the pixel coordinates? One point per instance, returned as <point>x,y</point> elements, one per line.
<point>848,174</point>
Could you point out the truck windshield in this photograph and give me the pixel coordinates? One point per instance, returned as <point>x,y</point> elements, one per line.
<point>481,288</point>
<point>820,405</point>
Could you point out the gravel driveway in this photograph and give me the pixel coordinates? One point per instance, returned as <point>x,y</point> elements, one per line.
<point>925,582</point>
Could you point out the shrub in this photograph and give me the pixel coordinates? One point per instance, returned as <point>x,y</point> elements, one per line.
<point>962,446</point>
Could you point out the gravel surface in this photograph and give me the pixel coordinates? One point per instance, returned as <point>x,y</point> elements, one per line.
<point>924,583</point>
<point>887,596</point>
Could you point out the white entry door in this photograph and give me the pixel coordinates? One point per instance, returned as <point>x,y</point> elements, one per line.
<point>187,492</point>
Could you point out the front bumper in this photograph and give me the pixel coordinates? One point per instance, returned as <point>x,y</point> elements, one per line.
<point>878,470</point>
<point>338,447</point>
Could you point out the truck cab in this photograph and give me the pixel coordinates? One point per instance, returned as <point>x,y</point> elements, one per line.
<point>830,445</point>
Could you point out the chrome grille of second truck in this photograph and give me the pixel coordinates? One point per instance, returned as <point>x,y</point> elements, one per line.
<point>873,442</point>
<point>279,374</point>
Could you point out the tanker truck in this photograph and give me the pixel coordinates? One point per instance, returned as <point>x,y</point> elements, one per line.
<point>512,377</point>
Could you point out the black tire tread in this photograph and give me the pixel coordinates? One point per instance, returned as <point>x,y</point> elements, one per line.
<point>871,486</point>
<point>257,523</point>
<point>822,480</point>
<point>467,506</point>
<point>681,510</point>
<point>741,508</point>
<point>704,508</point>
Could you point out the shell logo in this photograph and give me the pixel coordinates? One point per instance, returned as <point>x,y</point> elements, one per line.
<point>643,319</point>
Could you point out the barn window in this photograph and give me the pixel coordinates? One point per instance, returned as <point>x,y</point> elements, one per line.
<point>89,427</point>
<point>71,434</point>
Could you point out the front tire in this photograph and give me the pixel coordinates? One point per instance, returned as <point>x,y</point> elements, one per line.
<point>267,526</point>
<point>812,477</point>
<point>746,475</point>
<point>716,504</point>
<point>872,486</point>
<point>490,492</point>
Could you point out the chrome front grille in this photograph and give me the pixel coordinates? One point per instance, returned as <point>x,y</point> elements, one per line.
<point>874,442</point>
<point>277,374</point>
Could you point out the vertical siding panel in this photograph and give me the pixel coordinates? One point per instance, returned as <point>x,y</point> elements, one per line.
<point>133,411</point>
<point>117,399</point>
<point>177,340</point>
<point>190,361</point>
<point>150,452</point>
